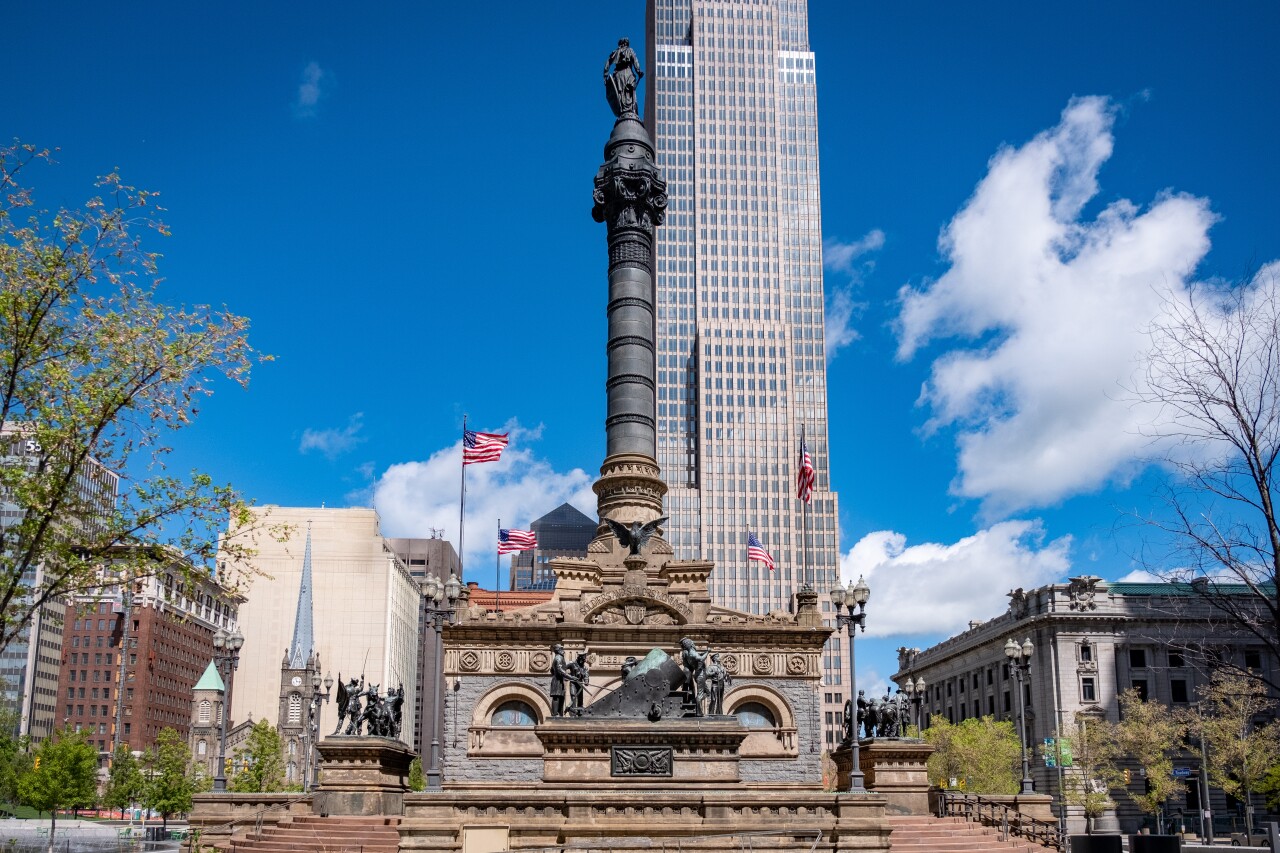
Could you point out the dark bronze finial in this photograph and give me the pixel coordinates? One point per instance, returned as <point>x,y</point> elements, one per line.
<point>620,84</point>
<point>637,535</point>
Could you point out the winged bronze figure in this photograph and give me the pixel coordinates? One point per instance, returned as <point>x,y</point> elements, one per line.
<point>636,535</point>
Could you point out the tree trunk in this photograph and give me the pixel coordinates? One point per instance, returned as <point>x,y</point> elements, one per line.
<point>53,825</point>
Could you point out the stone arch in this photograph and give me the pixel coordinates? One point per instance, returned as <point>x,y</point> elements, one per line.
<point>778,742</point>
<point>486,740</point>
<point>620,607</point>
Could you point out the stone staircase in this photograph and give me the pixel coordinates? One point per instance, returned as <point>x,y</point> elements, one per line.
<point>314,834</point>
<point>924,834</point>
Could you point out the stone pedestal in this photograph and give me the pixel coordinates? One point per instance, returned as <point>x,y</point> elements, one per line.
<point>895,769</point>
<point>683,751</point>
<point>362,776</point>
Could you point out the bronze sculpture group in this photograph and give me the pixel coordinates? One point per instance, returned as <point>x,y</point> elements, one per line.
<point>379,716</point>
<point>884,718</point>
<point>700,682</point>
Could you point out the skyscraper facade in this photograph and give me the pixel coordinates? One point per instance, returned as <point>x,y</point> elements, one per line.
<point>731,103</point>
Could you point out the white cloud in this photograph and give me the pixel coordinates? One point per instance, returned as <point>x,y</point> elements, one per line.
<point>842,309</point>
<point>1140,576</point>
<point>309,90</point>
<point>413,497</point>
<point>333,442</point>
<point>931,588</point>
<point>1057,310</point>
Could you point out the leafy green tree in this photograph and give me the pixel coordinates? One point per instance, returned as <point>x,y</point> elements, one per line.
<point>125,784</point>
<point>417,782</point>
<point>64,776</point>
<point>1241,753</point>
<point>260,762</point>
<point>1095,768</point>
<point>1150,734</point>
<point>982,752</point>
<point>15,752</point>
<point>170,778</point>
<point>95,374</point>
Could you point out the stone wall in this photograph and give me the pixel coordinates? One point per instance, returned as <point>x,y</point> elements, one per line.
<point>458,767</point>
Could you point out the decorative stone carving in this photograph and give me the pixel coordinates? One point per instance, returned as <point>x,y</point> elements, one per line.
<point>1019,603</point>
<point>797,665</point>
<point>539,662</point>
<point>730,663</point>
<point>641,761</point>
<point>504,661</point>
<point>1082,591</point>
<point>469,661</point>
<point>610,607</point>
<point>763,664</point>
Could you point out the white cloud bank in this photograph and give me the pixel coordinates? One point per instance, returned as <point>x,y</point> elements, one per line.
<point>930,588</point>
<point>1057,309</point>
<point>412,498</point>
<point>333,442</point>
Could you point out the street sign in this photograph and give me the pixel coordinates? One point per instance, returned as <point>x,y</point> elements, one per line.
<point>1181,772</point>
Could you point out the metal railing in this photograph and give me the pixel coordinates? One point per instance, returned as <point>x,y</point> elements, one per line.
<point>192,843</point>
<point>1007,819</point>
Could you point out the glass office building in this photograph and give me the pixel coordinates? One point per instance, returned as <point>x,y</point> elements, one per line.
<point>731,103</point>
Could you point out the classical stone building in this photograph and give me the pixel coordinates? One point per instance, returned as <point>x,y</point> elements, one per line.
<point>1092,640</point>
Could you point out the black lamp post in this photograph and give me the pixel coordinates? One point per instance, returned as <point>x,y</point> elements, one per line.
<point>226,657</point>
<point>1020,662</point>
<point>854,598</point>
<point>915,695</point>
<point>311,780</point>
<point>441,597</point>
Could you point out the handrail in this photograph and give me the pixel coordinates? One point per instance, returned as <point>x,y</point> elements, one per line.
<point>256,817</point>
<point>978,809</point>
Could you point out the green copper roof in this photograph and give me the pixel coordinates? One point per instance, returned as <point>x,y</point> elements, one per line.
<point>211,680</point>
<point>1180,588</point>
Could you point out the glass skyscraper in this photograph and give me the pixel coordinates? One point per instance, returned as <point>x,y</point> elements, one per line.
<point>731,103</point>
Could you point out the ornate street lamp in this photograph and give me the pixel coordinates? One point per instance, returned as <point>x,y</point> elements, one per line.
<point>1020,662</point>
<point>226,657</point>
<point>915,696</point>
<point>441,598</point>
<point>854,597</point>
<point>311,779</point>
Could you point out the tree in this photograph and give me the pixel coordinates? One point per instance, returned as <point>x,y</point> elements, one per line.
<point>1150,733</point>
<point>260,761</point>
<point>125,783</point>
<point>15,753</point>
<point>95,375</point>
<point>1213,373</point>
<point>417,782</point>
<point>1095,756</point>
<point>984,753</point>
<point>64,776</point>
<point>1240,751</point>
<point>171,779</point>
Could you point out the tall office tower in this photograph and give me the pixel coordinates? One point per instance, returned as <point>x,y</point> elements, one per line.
<point>732,106</point>
<point>563,532</point>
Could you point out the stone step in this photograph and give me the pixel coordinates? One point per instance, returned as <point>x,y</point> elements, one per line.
<point>922,834</point>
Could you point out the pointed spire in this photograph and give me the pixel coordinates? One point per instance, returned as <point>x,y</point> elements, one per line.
<point>303,641</point>
<point>211,680</point>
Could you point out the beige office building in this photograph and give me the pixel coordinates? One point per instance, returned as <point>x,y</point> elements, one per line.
<point>364,611</point>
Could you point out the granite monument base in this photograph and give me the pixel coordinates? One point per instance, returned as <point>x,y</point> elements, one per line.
<point>680,751</point>
<point>895,769</point>
<point>362,776</point>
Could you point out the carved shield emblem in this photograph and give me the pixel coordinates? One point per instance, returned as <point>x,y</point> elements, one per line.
<point>635,613</point>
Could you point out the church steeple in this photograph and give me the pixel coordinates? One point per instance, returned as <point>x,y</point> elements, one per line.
<point>303,640</point>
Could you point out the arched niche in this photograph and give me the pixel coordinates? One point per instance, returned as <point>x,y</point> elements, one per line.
<point>487,740</point>
<point>764,741</point>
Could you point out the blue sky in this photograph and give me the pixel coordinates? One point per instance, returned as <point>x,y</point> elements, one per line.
<point>399,198</point>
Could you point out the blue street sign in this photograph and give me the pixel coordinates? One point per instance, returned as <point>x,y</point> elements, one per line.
<point>1181,772</point>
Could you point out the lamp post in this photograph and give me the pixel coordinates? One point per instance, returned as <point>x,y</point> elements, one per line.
<point>853,599</point>
<point>226,657</point>
<point>915,695</point>
<point>441,598</point>
<point>1020,662</point>
<point>311,777</point>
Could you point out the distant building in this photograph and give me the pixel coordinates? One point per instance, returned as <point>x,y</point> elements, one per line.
<point>132,657</point>
<point>563,532</point>
<point>1092,641</point>
<point>29,666</point>
<point>425,557</point>
<point>365,618</point>
<point>207,700</point>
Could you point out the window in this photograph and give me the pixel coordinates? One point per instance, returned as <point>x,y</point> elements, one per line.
<point>1253,659</point>
<point>1138,658</point>
<point>295,707</point>
<point>1175,660</point>
<point>1178,690</point>
<point>1006,701</point>
<point>514,713</point>
<point>1140,684</point>
<point>206,712</point>
<point>1086,652</point>
<point>201,748</point>
<point>753,715</point>
<point>1088,690</point>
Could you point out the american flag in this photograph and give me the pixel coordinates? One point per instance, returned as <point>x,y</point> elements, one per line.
<point>756,551</point>
<point>516,540</point>
<point>805,477</point>
<point>482,446</point>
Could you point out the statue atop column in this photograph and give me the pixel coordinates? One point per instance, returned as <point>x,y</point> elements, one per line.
<point>620,84</point>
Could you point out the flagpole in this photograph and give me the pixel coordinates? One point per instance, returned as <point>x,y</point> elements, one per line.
<point>497,575</point>
<point>462,503</point>
<point>804,514</point>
